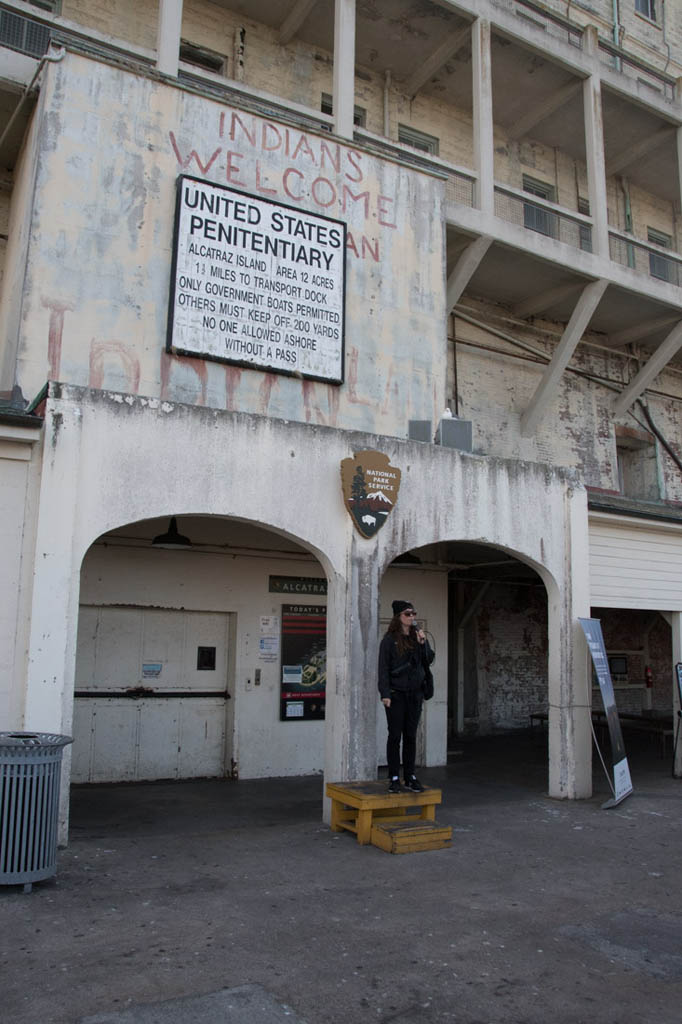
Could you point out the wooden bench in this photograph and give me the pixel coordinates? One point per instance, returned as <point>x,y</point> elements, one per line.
<point>357,805</point>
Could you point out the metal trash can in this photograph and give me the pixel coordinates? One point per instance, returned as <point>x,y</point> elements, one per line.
<point>30,769</point>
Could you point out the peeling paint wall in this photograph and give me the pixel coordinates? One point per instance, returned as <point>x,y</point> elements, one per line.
<point>497,379</point>
<point>106,326</point>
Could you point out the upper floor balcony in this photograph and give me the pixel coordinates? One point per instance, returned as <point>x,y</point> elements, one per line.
<point>555,145</point>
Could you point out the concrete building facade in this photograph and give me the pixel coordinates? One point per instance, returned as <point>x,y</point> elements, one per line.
<point>245,243</point>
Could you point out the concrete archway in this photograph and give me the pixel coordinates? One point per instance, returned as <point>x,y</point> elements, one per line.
<point>486,612</point>
<point>180,649</point>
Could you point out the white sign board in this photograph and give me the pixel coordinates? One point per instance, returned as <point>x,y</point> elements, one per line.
<point>257,283</point>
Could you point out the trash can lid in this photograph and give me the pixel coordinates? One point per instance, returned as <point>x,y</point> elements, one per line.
<point>33,739</point>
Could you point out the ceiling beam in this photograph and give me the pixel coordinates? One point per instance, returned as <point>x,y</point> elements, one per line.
<point>435,62</point>
<point>542,110</point>
<point>580,318</point>
<point>465,268</point>
<point>644,147</point>
<point>630,335</point>
<point>545,300</point>
<point>649,371</point>
<point>294,20</point>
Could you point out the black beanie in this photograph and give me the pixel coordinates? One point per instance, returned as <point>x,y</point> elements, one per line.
<point>400,606</point>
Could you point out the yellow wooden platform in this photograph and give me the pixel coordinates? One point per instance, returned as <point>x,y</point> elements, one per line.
<point>408,836</point>
<point>357,806</point>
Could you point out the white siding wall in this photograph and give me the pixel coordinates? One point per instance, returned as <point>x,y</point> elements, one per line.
<point>635,564</point>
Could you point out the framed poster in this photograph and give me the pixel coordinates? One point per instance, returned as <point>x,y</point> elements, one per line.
<point>256,283</point>
<point>304,662</point>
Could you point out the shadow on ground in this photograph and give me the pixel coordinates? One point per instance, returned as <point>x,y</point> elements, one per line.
<point>177,901</point>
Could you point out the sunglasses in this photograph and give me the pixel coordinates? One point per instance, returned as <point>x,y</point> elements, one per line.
<point>410,614</point>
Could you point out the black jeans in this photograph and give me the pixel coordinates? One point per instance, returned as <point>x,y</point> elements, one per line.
<point>403,719</point>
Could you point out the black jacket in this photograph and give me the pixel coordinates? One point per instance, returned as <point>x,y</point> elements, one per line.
<point>403,672</point>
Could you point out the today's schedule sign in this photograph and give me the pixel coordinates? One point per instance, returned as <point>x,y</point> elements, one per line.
<point>256,283</point>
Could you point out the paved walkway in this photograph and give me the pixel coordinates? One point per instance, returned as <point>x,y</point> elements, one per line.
<point>230,902</point>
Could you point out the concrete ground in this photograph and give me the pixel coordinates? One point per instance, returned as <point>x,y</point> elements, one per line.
<point>231,903</point>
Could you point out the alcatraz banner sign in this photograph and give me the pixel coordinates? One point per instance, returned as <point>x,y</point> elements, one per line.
<point>622,783</point>
<point>256,283</point>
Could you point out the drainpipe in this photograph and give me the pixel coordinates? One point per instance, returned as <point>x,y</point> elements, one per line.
<point>616,23</point>
<point>45,59</point>
<point>627,208</point>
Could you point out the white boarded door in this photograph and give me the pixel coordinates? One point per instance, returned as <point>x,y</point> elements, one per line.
<point>151,696</point>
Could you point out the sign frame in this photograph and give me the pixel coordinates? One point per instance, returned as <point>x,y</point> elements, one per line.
<point>303,654</point>
<point>245,196</point>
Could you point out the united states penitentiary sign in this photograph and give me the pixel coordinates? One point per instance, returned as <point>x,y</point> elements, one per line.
<point>256,283</point>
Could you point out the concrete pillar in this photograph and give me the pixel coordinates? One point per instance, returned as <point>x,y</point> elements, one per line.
<point>169,25</point>
<point>352,651</point>
<point>484,150</point>
<point>570,733</point>
<point>344,67</point>
<point>676,624</point>
<point>594,150</point>
<point>56,584</point>
<point>678,140</point>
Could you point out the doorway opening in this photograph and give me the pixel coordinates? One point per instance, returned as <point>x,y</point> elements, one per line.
<point>181,648</point>
<point>487,613</point>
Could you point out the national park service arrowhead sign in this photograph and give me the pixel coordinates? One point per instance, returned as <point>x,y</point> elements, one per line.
<point>370,490</point>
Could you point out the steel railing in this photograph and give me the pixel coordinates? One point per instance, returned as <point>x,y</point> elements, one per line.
<point>645,258</point>
<point>543,217</point>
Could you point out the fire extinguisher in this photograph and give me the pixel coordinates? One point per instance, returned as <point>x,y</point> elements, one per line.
<point>647,695</point>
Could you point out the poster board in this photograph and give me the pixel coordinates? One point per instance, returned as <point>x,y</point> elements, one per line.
<point>256,283</point>
<point>303,679</point>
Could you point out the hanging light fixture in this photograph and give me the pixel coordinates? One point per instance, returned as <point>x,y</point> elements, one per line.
<point>171,539</point>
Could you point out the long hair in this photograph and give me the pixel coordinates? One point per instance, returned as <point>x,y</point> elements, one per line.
<point>404,641</point>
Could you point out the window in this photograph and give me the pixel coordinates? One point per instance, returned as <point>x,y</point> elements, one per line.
<point>647,8</point>
<point>637,464</point>
<point>327,107</point>
<point>618,667</point>
<point>535,217</point>
<point>659,266</point>
<point>200,57</point>
<point>584,230</point>
<point>418,140</point>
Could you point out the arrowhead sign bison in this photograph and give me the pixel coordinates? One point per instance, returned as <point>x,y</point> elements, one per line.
<point>370,490</point>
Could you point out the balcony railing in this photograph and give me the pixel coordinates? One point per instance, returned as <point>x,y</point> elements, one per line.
<point>645,258</point>
<point>543,217</point>
<point>459,188</point>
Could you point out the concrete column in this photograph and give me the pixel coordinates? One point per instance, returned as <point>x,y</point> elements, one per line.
<point>344,67</point>
<point>484,150</point>
<point>676,624</point>
<point>169,25</point>
<point>570,734</point>
<point>678,141</point>
<point>56,583</point>
<point>594,149</point>
<point>352,651</point>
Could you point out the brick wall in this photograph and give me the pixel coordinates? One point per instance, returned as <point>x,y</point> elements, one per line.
<point>511,668</point>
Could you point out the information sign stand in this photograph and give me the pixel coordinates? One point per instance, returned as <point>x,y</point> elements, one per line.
<point>622,783</point>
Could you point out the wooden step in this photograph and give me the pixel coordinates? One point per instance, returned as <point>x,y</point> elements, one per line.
<point>411,835</point>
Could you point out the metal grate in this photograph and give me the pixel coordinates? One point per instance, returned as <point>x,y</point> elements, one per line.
<point>23,34</point>
<point>460,189</point>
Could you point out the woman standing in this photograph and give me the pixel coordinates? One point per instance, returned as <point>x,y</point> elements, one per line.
<point>404,679</point>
